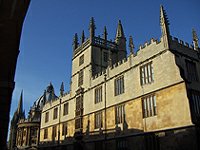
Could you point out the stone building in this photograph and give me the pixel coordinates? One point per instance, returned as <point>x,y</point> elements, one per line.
<point>18,115</point>
<point>148,100</point>
<point>24,132</point>
<point>27,136</point>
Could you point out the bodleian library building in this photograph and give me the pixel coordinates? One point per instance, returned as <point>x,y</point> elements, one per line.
<point>148,99</point>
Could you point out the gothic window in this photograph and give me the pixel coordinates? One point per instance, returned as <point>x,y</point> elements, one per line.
<point>196,102</point>
<point>119,114</point>
<point>65,110</point>
<point>79,112</point>
<point>64,129</point>
<point>149,107</point>
<point>46,133</point>
<point>81,60</point>
<point>33,136</point>
<point>34,132</point>
<point>78,123</point>
<point>191,71</point>
<point>98,94</point>
<point>46,117</point>
<point>146,73</point>
<point>119,85</point>
<point>105,56</point>
<point>98,120</point>
<point>79,106</point>
<point>55,113</point>
<point>80,78</point>
<point>54,132</point>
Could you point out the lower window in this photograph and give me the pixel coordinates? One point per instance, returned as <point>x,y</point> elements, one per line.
<point>149,106</point>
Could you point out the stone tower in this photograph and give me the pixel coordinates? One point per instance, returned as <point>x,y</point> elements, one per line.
<point>92,56</point>
<point>99,51</point>
<point>19,114</point>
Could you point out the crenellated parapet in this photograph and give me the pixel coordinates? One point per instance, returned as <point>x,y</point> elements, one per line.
<point>181,43</point>
<point>97,41</point>
<point>81,47</point>
<point>141,54</point>
<point>119,44</point>
<point>110,68</point>
<point>118,63</point>
<point>148,43</point>
<point>99,74</point>
<point>104,43</point>
<point>66,93</point>
<point>147,47</point>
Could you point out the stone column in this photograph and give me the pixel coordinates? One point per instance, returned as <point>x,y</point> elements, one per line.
<point>21,135</point>
<point>28,135</point>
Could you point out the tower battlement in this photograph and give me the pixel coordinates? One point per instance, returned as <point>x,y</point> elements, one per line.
<point>181,42</point>
<point>96,41</point>
<point>148,43</point>
<point>99,74</point>
<point>110,68</point>
<point>118,63</point>
<point>81,47</point>
<point>104,43</point>
<point>129,59</point>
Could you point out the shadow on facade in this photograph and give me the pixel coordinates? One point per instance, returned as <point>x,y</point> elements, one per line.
<point>184,138</point>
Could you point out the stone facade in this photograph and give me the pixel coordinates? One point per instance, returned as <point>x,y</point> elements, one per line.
<point>18,115</point>
<point>25,132</point>
<point>28,135</point>
<point>151,97</point>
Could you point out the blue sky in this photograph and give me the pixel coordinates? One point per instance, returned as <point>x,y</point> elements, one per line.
<point>49,27</point>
